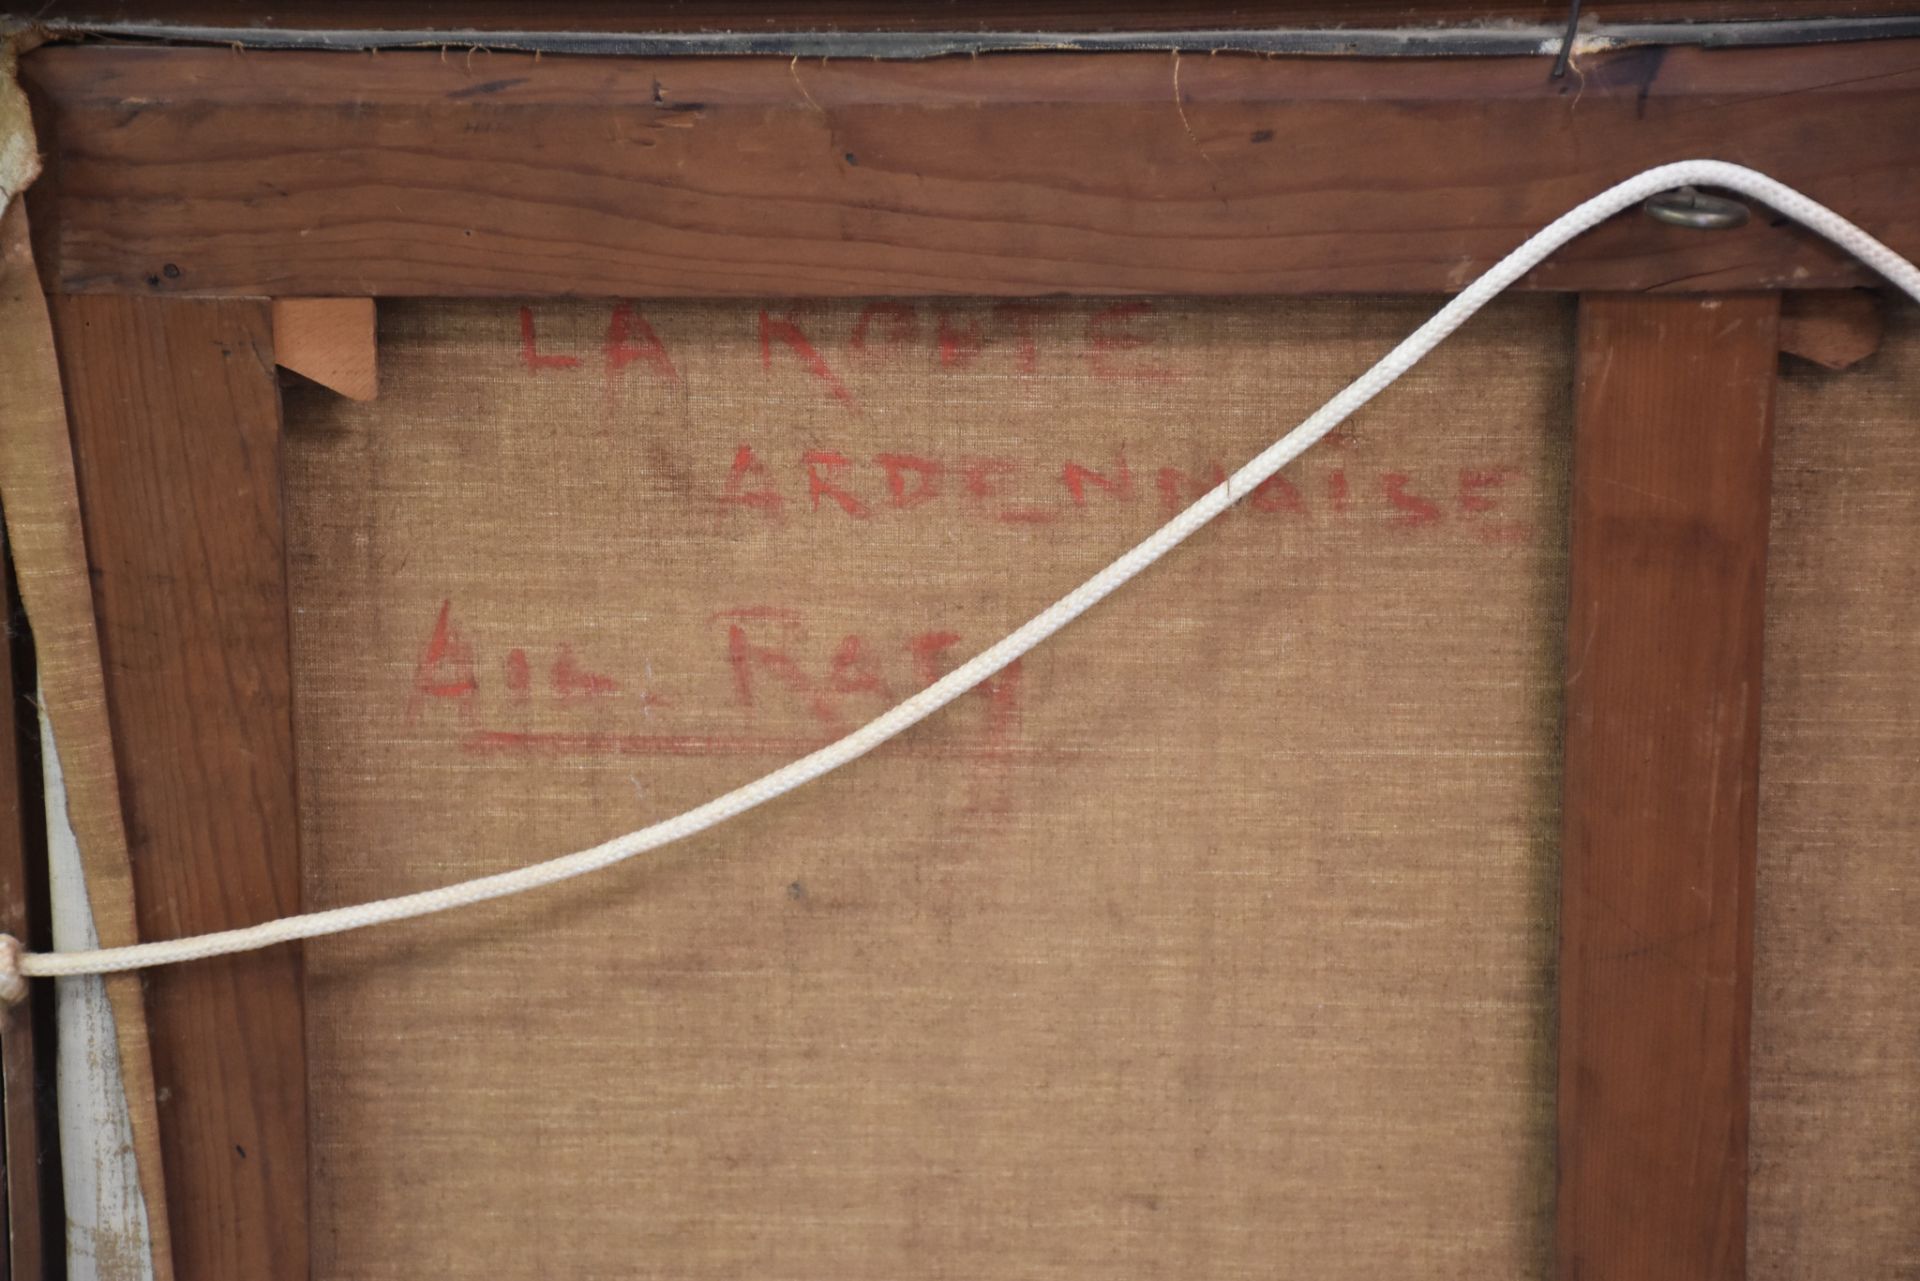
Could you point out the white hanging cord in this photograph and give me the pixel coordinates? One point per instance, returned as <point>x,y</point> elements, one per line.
<point>17,965</point>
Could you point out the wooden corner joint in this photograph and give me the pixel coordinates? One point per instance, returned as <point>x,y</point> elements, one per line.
<point>1834,328</point>
<point>330,341</point>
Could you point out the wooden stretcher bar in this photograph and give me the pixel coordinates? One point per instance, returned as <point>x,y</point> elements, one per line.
<point>186,187</point>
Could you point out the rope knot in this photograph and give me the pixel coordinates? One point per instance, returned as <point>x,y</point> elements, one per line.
<point>13,984</point>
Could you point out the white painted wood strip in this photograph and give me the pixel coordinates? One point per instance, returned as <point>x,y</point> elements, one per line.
<point>107,1236</point>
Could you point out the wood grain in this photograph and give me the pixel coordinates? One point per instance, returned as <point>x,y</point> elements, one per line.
<point>1833,328</point>
<point>174,408</point>
<point>1672,459</point>
<point>926,15</point>
<point>23,1172</point>
<point>196,171</point>
<point>329,340</point>
<point>46,539</point>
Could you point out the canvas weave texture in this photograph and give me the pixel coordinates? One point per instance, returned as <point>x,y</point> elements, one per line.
<point>1215,939</point>
<point>1836,1039</point>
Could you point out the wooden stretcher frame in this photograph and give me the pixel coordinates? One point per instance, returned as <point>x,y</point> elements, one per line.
<point>186,188</point>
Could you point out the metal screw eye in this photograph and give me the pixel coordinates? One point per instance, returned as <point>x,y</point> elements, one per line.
<point>1687,207</point>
